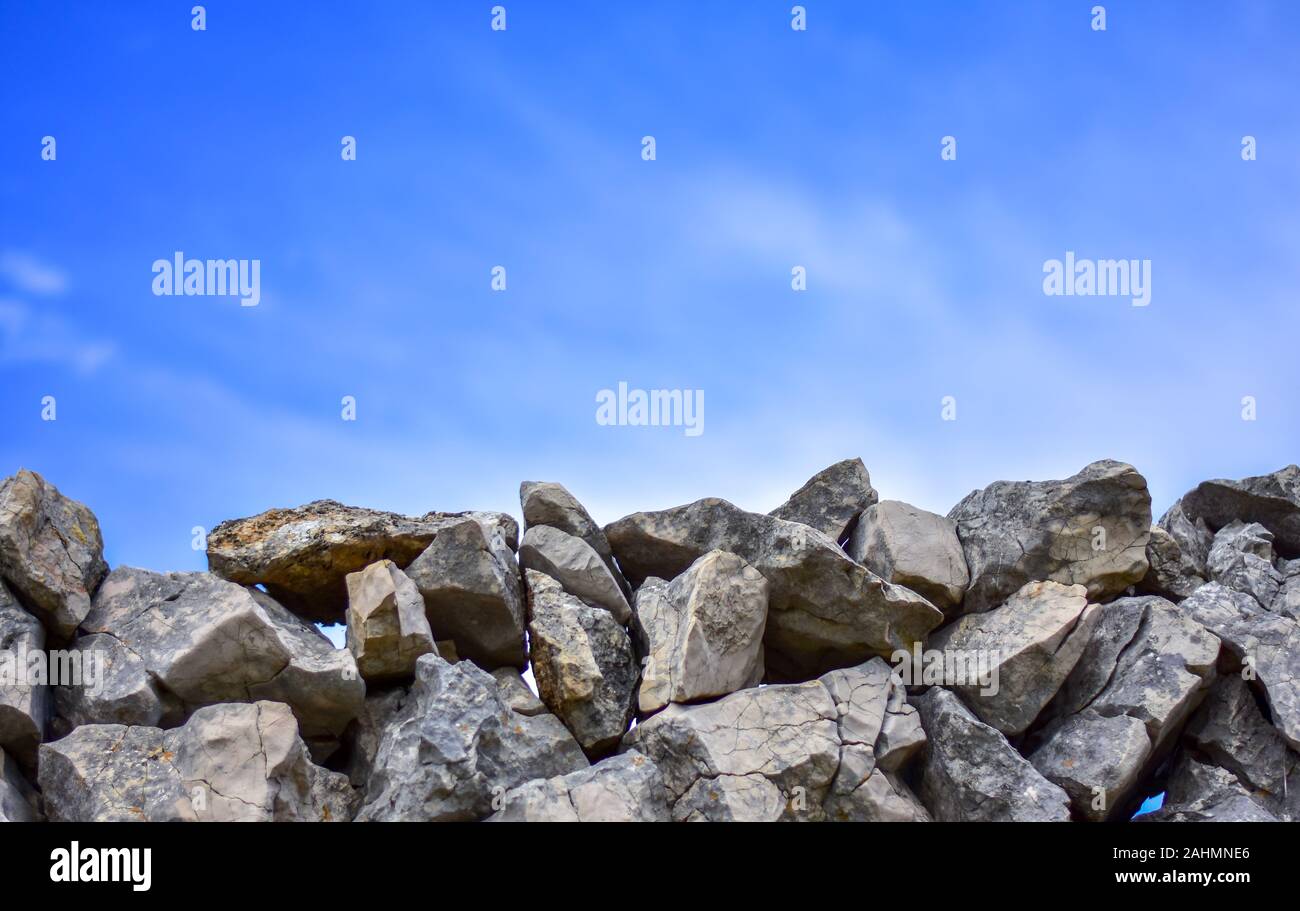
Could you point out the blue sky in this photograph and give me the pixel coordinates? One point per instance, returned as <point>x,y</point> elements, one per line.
<point>522,148</point>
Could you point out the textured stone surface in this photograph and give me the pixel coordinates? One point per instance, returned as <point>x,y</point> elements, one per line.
<point>1201,792</point>
<point>205,640</point>
<point>622,788</point>
<point>387,629</point>
<point>583,662</point>
<point>470,584</point>
<point>550,504</point>
<point>1272,500</point>
<point>229,763</point>
<point>515,691</point>
<point>1091,529</point>
<point>794,751</point>
<point>1172,573</point>
<point>453,744</point>
<point>969,772</point>
<point>18,800</point>
<point>24,703</point>
<point>824,610</point>
<point>51,551</point>
<point>1242,559</point>
<point>126,693</point>
<point>831,500</point>
<point>572,562</point>
<point>1032,642</point>
<point>912,548</point>
<point>1096,759</point>
<point>704,631</point>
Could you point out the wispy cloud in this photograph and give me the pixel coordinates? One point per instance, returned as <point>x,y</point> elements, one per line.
<point>28,336</point>
<point>31,276</point>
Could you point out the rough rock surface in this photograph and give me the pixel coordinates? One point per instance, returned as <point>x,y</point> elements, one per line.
<point>1091,529</point>
<point>126,692</point>
<point>824,610</point>
<point>18,800</point>
<point>1096,759</point>
<point>971,773</point>
<point>454,744</point>
<point>1031,643</point>
<point>387,629</point>
<point>550,504</point>
<point>472,596</point>
<point>229,763</point>
<point>1202,792</point>
<point>704,631</point>
<point>24,703</point>
<point>205,640</point>
<point>622,788</point>
<point>794,751</point>
<point>51,551</point>
<point>1272,500</point>
<point>831,500</point>
<point>583,662</point>
<point>1173,574</point>
<point>515,691</point>
<point>912,548</point>
<point>573,563</point>
<point>1242,559</point>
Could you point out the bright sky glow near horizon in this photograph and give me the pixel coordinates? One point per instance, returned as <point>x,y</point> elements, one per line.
<point>522,148</point>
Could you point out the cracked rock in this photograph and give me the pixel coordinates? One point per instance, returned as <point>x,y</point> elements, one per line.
<point>1091,529</point>
<point>387,629</point>
<point>704,631</point>
<point>622,788</point>
<point>18,800</point>
<point>572,562</point>
<point>824,610</point>
<point>1031,643</point>
<point>1096,759</point>
<point>546,503</point>
<point>454,744</point>
<point>583,662</point>
<point>970,773</point>
<point>126,692</point>
<point>205,641</point>
<point>1173,574</point>
<point>1242,559</point>
<point>51,552</point>
<point>913,548</point>
<point>831,500</point>
<point>1272,500</point>
<point>228,763</point>
<point>1201,792</point>
<point>24,704</point>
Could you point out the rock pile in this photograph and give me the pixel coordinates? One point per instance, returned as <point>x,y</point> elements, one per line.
<point>1044,652</point>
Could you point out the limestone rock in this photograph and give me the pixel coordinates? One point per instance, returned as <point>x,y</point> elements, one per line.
<point>51,552</point>
<point>1287,602</point>
<point>470,584</point>
<point>205,641</point>
<point>831,500</point>
<point>704,631</point>
<point>912,548</point>
<point>1268,643</point>
<point>1242,559</point>
<point>1272,500</point>
<point>1193,536</point>
<point>1032,643</point>
<point>454,744</point>
<point>387,629</point>
<point>1172,574</point>
<point>546,503</point>
<point>1096,759</point>
<point>126,692</point>
<point>969,772</point>
<point>515,691</point>
<point>824,610</point>
<point>1201,792</point>
<point>367,730</point>
<point>229,763</point>
<point>793,751</point>
<point>583,662</point>
<point>18,800</point>
<point>622,788</point>
<point>1091,529</point>
<point>572,562</point>
<point>24,703</point>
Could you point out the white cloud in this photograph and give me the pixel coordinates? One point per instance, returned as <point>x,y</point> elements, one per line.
<point>31,276</point>
<point>31,337</point>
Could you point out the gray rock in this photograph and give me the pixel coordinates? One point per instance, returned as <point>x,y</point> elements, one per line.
<point>1173,574</point>
<point>1287,602</point>
<point>454,745</point>
<point>704,631</point>
<point>51,552</point>
<point>1091,529</point>
<point>1267,644</point>
<point>970,773</point>
<point>831,500</point>
<point>515,691</point>
<point>1096,759</point>
<point>206,641</point>
<point>583,663</point>
<point>550,504</point>
<point>228,763</point>
<point>824,610</point>
<point>1272,500</point>
<point>367,730</point>
<point>1031,643</point>
<point>571,561</point>
<point>387,629</point>
<point>1242,559</point>
<point>793,751</point>
<point>622,788</point>
<point>470,583</point>
<point>912,548</point>
<point>126,692</point>
<point>1193,537</point>
<point>18,800</point>
<point>1200,792</point>
<point>24,702</point>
